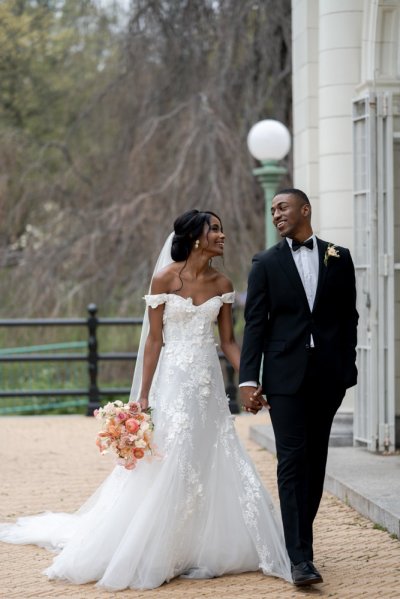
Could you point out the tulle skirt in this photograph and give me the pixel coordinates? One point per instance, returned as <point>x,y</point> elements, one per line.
<point>145,526</point>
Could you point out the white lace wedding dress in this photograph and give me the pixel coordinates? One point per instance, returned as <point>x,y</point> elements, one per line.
<point>198,511</point>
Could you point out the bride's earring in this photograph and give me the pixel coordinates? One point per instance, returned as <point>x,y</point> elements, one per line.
<point>197,243</point>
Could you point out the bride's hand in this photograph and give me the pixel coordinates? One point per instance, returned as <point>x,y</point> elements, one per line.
<point>144,403</point>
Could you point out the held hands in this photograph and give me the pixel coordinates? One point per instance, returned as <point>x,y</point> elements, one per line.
<point>252,399</point>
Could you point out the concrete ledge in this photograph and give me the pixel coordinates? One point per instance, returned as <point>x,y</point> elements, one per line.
<point>342,429</point>
<point>368,482</point>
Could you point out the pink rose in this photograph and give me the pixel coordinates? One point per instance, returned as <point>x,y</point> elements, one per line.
<point>131,425</point>
<point>130,465</point>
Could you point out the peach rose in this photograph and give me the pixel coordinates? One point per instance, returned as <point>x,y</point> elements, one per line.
<point>131,425</point>
<point>138,453</point>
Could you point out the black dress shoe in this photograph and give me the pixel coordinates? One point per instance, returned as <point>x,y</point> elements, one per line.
<point>305,573</point>
<point>314,569</point>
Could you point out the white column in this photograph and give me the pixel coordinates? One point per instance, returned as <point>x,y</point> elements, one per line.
<point>340,32</point>
<point>305,100</point>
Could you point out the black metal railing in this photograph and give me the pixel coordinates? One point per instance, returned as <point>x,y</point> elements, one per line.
<point>93,392</point>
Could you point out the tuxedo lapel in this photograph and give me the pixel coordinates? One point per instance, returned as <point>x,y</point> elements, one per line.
<point>290,269</point>
<point>322,246</point>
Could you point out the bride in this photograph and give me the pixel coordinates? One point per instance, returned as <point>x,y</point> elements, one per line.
<point>200,510</point>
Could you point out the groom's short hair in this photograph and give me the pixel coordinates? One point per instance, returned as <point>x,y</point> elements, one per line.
<point>294,192</point>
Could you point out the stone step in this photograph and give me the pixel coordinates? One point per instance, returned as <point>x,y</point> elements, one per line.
<point>368,482</point>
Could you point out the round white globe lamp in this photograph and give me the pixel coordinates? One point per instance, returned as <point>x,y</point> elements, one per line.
<point>269,141</point>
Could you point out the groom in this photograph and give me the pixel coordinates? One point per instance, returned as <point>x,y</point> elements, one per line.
<point>301,321</point>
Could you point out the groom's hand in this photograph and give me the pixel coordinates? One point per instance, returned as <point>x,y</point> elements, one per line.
<point>259,395</point>
<point>251,398</point>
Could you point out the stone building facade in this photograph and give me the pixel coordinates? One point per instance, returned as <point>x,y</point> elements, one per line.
<point>346,113</point>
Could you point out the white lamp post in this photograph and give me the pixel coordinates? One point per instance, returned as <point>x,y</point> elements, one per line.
<point>269,142</point>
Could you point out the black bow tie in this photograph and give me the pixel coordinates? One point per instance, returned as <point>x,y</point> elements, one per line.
<point>298,244</point>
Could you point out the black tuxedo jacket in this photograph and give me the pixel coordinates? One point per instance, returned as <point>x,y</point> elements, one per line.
<point>279,321</point>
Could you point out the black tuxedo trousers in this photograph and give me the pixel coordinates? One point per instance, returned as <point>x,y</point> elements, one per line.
<point>302,423</point>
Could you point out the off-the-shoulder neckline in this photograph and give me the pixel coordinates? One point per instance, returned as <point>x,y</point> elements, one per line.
<point>190,299</point>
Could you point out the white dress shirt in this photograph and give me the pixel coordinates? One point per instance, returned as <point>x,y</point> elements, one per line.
<point>307,264</point>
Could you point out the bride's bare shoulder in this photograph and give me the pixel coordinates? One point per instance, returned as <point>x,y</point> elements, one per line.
<point>223,283</point>
<point>163,281</point>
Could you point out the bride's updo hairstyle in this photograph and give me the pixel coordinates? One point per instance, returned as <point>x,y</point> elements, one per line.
<point>188,227</point>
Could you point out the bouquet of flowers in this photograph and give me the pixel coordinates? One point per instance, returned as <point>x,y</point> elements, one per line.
<point>127,430</point>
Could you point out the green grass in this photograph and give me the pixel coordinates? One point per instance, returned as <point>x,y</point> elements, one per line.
<point>109,338</point>
<point>45,406</point>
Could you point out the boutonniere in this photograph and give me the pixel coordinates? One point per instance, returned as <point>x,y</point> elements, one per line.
<point>331,252</point>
